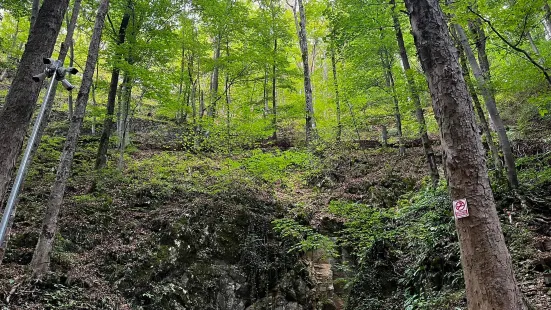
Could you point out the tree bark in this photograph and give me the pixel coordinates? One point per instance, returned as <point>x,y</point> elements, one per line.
<point>481,116</point>
<point>202,105</point>
<point>265,110</point>
<point>187,92</point>
<point>489,100</point>
<point>274,92</point>
<point>119,106</point>
<point>71,61</point>
<point>21,99</point>
<point>309,106</point>
<point>274,5</point>
<point>124,105</point>
<point>41,258</point>
<point>336,88</point>
<point>535,48</point>
<point>193,103</point>
<point>101,158</point>
<point>480,41</point>
<point>193,83</point>
<point>215,78</point>
<point>228,112</point>
<point>489,278</point>
<point>419,113</point>
<point>94,101</point>
<point>180,113</point>
<point>547,20</point>
<point>199,90</point>
<point>384,136</point>
<point>389,78</point>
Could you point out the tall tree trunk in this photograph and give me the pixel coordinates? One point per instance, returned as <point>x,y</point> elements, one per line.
<point>124,104</point>
<point>94,101</point>
<point>41,257</point>
<point>228,112</point>
<point>389,78</point>
<point>14,38</point>
<point>547,20</point>
<point>265,110</point>
<point>71,61</point>
<point>489,99</point>
<point>193,84</point>
<point>200,96</point>
<point>419,113</point>
<point>336,88</point>
<point>477,30</point>
<point>273,10</point>
<point>384,135</point>
<point>215,78</point>
<point>489,278</point>
<point>23,93</point>
<point>185,94</point>
<point>180,112</point>
<point>534,47</point>
<point>193,101</point>
<point>126,93</point>
<point>228,100</point>
<point>309,106</point>
<point>274,92</point>
<point>101,158</point>
<point>202,105</point>
<point>481,116</point>
<point>120,106</point>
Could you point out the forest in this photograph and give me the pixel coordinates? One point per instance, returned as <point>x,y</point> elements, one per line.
<point>275,154</point>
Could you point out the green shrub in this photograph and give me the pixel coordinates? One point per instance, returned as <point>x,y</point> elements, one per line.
<point>304,238</point>
<point>277,166</point>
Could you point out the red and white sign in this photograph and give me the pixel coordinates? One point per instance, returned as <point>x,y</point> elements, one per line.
<point>460,209</point>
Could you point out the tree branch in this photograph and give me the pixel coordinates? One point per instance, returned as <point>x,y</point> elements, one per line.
<point>513,46</point>
<point>523,32</point>
<point>231,82</point>
<point>112,26</point>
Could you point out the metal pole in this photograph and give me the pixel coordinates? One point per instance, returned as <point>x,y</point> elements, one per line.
<point>24,165</point>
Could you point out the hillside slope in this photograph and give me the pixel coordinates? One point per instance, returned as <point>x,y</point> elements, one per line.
<point>337,228</point>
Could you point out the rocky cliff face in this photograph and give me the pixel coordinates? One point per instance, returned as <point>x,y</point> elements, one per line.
<point>214,253</point>
<point>182,249</point>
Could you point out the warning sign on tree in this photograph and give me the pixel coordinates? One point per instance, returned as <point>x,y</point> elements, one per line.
<point>460,209</point>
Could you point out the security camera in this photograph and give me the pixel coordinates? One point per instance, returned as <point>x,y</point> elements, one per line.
<point>68,86</point>
<point>60,76</point>
<point>53,67</point>
<point>39,77</point>
<point>62,72</point>
<point>48,72</point>
<point>71,70</point>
